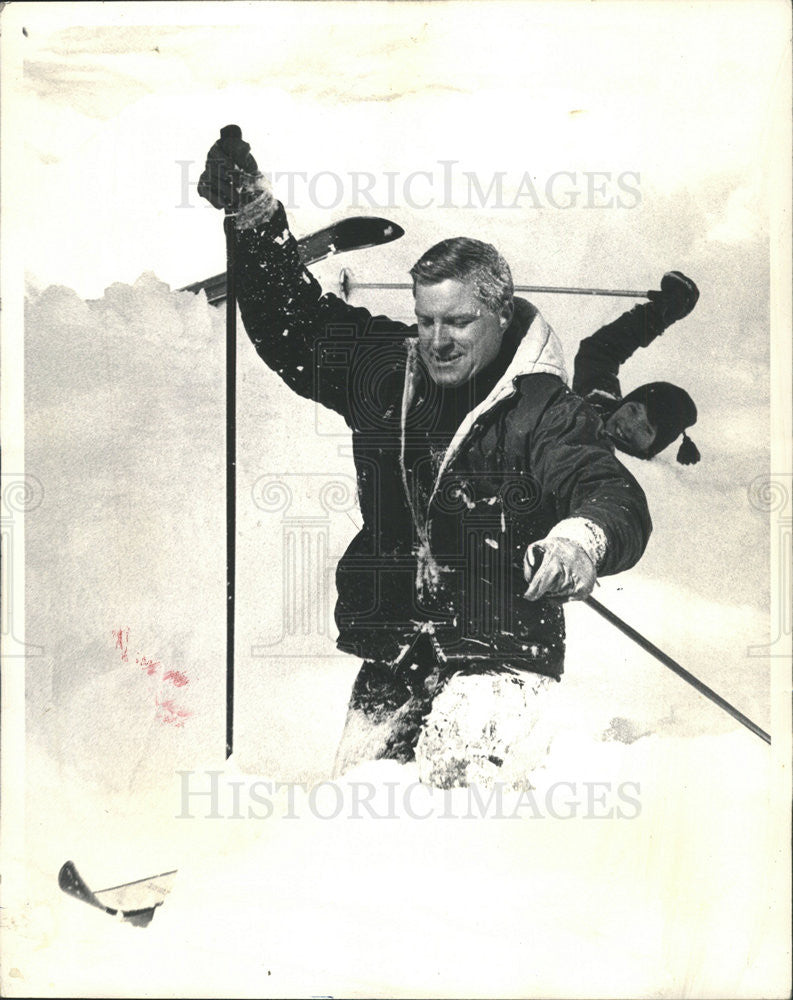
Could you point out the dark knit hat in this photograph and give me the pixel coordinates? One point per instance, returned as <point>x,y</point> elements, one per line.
<point>670,410</point>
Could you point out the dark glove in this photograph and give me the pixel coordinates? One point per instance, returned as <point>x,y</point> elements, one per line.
<point>230,178</point>
<point>558,568</point>
<point>676,299</point>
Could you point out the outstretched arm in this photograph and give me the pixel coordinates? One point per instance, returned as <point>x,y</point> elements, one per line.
<point>603,521</point>
<point>599,357</point>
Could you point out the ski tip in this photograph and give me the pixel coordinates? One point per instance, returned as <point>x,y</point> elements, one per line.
<point>73,884</point>
<point>66,867</point>
<point>366,230</point>
<point>69,878</point>
<point>391,231</point>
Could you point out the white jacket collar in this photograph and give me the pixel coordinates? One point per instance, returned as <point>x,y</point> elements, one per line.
<point>539,352</point>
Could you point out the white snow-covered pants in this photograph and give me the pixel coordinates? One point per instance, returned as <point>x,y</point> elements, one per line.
<point>470,726</point>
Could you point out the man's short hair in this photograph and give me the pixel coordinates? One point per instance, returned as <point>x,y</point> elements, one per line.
<point>465,259</point>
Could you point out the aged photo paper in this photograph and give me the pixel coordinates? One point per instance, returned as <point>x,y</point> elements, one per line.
<point>598,147</point>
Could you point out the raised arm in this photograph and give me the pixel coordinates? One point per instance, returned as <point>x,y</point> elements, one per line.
<point>297,330</point>
<point>600,356</point>
<point>293,326</point>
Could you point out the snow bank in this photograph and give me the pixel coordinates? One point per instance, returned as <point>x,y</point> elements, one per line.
<point>641,870</point>
<point>126,595</point>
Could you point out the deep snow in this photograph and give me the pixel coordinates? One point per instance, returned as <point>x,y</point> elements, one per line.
<point>125,564</point>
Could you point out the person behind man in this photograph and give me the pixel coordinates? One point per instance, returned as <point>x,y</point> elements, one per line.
<point>477,468</point>
<point>649,418</point>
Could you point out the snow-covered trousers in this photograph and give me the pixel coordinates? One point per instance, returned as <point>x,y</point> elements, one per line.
<point>472,724</point>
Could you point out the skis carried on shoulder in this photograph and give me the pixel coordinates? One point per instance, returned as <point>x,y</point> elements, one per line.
<point>134,902</point>
<point>356,233</point>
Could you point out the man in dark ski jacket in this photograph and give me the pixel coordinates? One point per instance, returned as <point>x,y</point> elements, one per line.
<point>478,469</point>
<point>648,419</point>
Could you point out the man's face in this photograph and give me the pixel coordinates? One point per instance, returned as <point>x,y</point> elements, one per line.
<point>629,425</point>
<point>458,335</point>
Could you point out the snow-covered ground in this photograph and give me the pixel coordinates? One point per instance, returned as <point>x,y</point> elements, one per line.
<point>674,901</point>
<point>648,862</point>
<point>643,863</point>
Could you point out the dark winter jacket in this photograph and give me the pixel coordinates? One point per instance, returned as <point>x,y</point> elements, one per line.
<point>597,363</point>
<point>528,456</point>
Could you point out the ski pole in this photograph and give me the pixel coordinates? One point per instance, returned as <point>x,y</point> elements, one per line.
<point>231,454</point>
<point>233,131</point>
<point>675,667</point>
<point>348,284</point>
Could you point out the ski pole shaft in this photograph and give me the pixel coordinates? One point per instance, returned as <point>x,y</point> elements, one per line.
<point>231,466</point>
<point>675,667</point>
<point>348,285</point>
<point>230,131</point>
<point>558,290</point>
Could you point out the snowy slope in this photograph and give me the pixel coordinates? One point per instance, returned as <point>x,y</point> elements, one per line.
<point>125,563</point>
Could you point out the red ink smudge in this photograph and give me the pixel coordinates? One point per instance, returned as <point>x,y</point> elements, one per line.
<point>167,711</point>
<point>122,638</point>
<point>170,713</point>
<point>177,677</point>
<point>150,666</point>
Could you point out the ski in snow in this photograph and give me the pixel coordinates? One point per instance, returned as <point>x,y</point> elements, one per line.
<point>355,233</point>
<point>134,902</point>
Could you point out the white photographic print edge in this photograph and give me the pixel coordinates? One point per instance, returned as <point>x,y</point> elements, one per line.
<point>598,146</point>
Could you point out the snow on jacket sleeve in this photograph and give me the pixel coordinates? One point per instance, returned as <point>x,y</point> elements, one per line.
<point>599,357</point>
<point>297,331</point>
<point>572,459</point>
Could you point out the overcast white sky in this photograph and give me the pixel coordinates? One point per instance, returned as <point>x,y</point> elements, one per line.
<point>112,96</point>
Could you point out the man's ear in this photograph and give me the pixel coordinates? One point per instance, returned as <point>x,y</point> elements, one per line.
<point>506,314</point>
